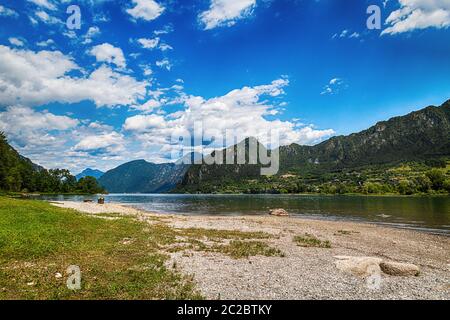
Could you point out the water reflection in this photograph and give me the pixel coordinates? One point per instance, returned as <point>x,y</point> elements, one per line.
<point>431,213</point>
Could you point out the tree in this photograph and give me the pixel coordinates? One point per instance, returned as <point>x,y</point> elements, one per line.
<point>89,185</point>
<point>423,183</point>
<point>406,187</point>
<point>447,185</point>
<point>437,179</point>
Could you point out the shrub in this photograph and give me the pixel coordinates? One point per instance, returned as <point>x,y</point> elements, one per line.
<point>437,178</point>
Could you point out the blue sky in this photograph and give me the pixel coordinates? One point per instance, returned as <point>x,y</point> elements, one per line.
<point>140,71</point>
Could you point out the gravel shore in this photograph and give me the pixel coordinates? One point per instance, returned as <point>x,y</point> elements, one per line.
<point>306,272</point>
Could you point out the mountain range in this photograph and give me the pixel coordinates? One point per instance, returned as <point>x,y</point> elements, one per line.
<point>420,135</point>
<point>90,173</point>
<point>141,176</point>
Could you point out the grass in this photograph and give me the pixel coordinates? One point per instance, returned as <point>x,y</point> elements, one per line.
<point>244,249</point>
<point>38,240</point>
<point>309,241</point>
<point>218,235</point>
<point>238,244</point>
<point>119,258</point>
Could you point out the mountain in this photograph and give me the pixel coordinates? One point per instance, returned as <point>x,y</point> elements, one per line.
<point>418,136</point>
<point>141,176</point>
<point>90,173</point>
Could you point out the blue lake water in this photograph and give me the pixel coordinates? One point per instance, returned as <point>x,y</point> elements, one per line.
<point>431,214</point>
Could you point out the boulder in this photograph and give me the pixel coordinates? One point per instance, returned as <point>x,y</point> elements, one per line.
<point>399,269</point>
<point>359,266</point>
<point>279,213</point>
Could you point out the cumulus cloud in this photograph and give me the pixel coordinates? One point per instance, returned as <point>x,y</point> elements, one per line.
<point>26,127</point>
<point>108,53</point>
<point>36,78</point>
<point>226,12</point>
<point>418,14</point>
<point>40,135</point>
<point>247,111</point>
<point>145,9</point>
<point>148,43</point>
<point>154,43</point>
<point>106,143</point>
<point>148,106</point>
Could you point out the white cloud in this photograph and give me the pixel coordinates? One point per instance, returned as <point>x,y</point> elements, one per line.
<point>36,78</point>
<point>334,86</point>
<point>16,42</point>
<point>246,110</point>
<point>141,123</point>
<point>147,71</point>
<point>418,14</point>
<point>7,12</point>
<point>146,9</point>
<point>167,29</point>
<point>45,43</point>
<point>164,63</point>
<point>108,53</point>
<point>226,12</point>
<point>91,33</point>
<point>60,141</point>
<point>45,17</point>
<point>165,47</point>
<point>149,43</point>
<point>148,106</point>
<point>154,43</point>
<point>105,143</point>
<point>346,34</point>
<point>26,127</point>
<point>44,3</point>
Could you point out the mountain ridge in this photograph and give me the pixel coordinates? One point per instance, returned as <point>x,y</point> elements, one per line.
<point>419,135</point>
<point>88,172</point>
<point>140,176</point>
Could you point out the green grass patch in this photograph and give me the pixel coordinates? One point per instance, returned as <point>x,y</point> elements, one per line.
<point>239,246</point>
<point>309,241</point>
<point>245,249</point>
<point>119,258</point>
<point>218,235</point>
<point>38,240</point>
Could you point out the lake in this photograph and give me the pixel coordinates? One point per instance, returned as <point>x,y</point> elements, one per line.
<point>431,214</point>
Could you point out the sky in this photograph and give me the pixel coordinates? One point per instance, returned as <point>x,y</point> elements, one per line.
<point>137,74</point>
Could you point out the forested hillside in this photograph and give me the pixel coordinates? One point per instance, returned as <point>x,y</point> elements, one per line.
<point>19,174</point>
<point>404,155</point>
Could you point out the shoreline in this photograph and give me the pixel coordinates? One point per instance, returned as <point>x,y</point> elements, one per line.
<point>334,218</point>
<point>303,272</point>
